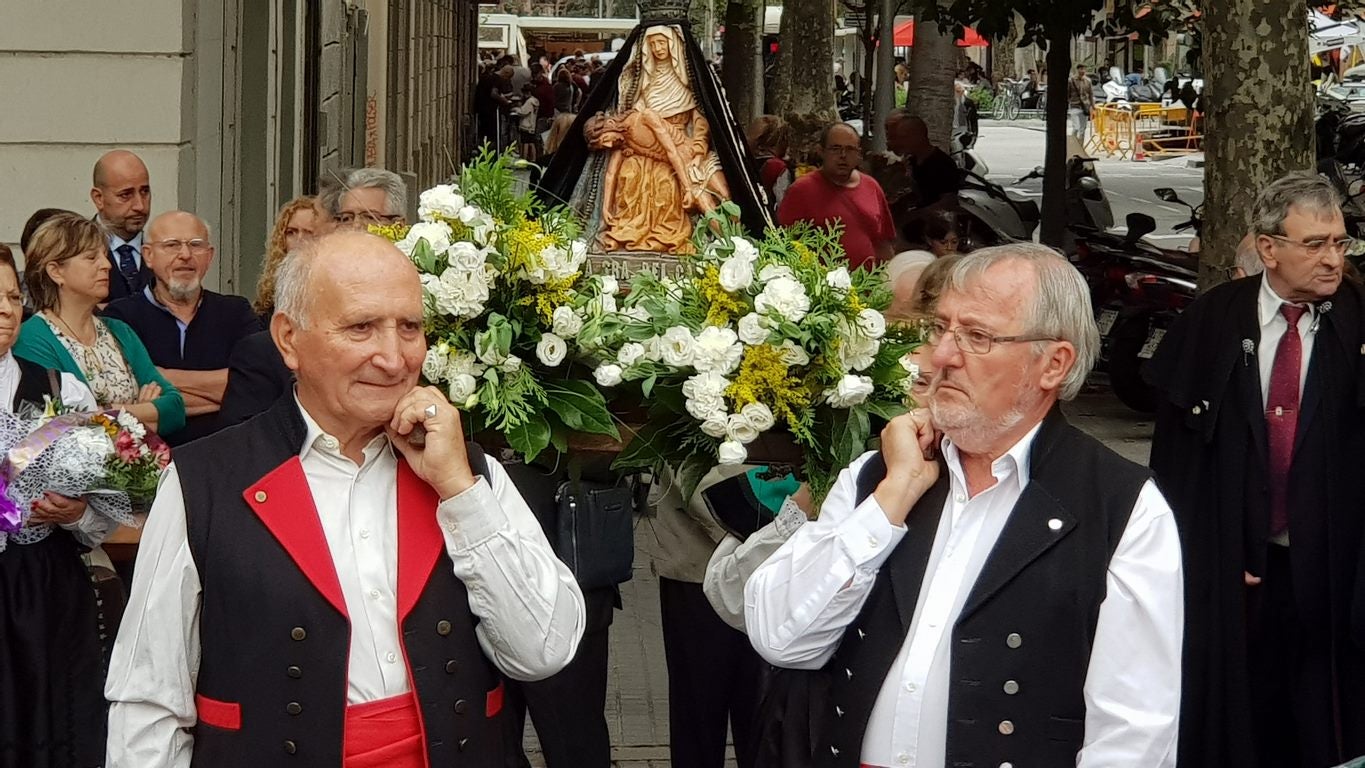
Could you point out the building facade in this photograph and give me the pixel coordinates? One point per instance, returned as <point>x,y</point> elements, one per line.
<point>236,106</point>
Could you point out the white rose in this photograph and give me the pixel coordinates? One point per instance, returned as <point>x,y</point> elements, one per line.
<point>751,330</point>
<point>731,452</point>
<point>462,388</point>
<point>551,349</point>
<point>907,362</point>
<point>677,347</point>
<point>705,395</point>
<point>858,353</point>
<point>607,375</point>
<point>743,249</point>
<point>463,363</point>
<point>512,364</point>
<point>839,280</point>
<point>785,296</point>
<point>871,323</point>
<point>759,416</point>
<point>566,323</point>
<point>480,224</point>
<point>442,200</point>
<point>850,391</point>
<point>436,233</point>
<point>718,350</point>
<point>637,313</point>
<point>654,349</point>
<point>631,353</point>
<point>736,274</point>
<point>435,363</point>
<point>706,407</point>
<point>715,425</point>
<point>606,304</point>
<point>609,285</point>
<point>775,271</point>
<point>739,429</point>
<point>486,347</point>
<point>467,256</point>
<point>793,354</point>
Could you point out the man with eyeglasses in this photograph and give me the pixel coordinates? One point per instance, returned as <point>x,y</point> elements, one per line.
<point>1258,445</point>
<point>993,587</point>
<point>841,193</point>
<point>188,330</point>
<point>362,197</point>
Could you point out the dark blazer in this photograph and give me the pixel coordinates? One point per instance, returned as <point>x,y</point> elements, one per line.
<point>257,377</point>
<point>1209,454</point>
<point>121,287</point>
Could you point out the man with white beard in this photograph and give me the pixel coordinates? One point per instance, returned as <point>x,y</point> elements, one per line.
<point>189,331</point>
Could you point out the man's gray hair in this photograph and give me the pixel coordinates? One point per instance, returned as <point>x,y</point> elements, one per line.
<point>292,297</point>
<point>395,191</point>
<point>1061,302</point>
<point>1304,190</point>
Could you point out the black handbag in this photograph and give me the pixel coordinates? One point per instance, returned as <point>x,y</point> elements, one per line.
<point>595,536</point>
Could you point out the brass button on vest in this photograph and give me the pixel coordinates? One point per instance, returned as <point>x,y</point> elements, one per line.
<point>298,633</point>
<point>1013,640</point>
<point>461,706</point>
<point>1006,727</point>
<point>442,627</point>
<point>294,672</point>
<point>293,708</point>
<point>290,746</point>
<point>452,666</point>
<point>461,744</point>
<point>1011,687</point>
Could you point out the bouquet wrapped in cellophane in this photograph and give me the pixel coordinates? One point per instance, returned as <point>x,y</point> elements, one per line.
<point>109,458</point>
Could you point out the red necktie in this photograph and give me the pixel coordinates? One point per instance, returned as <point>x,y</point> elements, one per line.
<point>1282,414</point>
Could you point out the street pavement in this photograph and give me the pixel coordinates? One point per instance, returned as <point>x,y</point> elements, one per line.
<point>637,693</point>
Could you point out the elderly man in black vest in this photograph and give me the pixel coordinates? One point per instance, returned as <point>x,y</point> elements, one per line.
<point>320,585</point>
<point>1017,602</point>
<point>1258,445</point>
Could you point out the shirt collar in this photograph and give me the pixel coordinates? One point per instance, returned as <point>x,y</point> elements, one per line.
<point>1268,304</point>
<point>116,242</point>
<point>315,439</point>
<point>1013,464</point>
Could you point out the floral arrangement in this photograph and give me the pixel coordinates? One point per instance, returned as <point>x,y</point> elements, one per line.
<point>108,457</point>
<point>755,336</point>
<point>505,293</point>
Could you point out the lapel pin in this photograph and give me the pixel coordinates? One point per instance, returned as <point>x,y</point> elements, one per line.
<point>1249,349</point>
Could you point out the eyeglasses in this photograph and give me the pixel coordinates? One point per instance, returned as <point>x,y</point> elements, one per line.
<point>844,150</point>
<point>975,340</point>
<point>197,246</point>
<point>367,217</point>
<point>1317,248</point>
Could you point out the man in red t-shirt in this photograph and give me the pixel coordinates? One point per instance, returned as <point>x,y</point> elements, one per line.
<point>839,192</point>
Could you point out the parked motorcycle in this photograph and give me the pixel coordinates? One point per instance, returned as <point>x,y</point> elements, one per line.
<point>989,216</point>
<point>1087,204</point>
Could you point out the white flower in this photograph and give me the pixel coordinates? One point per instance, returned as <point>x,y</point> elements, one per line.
<point>871,323</point>
<point>718,350</point>
<point>751,330</point>
<point>554,263</point>
<point>434,364</point>
<point>636,313</point>
<point>457,292</point>
<point>609,285</point>
<point>551,349</point>
<point>654,349</point>
<point>793,354</point>
<point>705,395</point>
<point>786,297</point>
<point>442,200</point>
<point>605,304</point>
<point>857,352</point>
<point>736,274</point>
<point>850,391</point>
<point>739,429</point>
<point>608,375</point>
<point>566,323</point>
<point>677,347</point>
<point>512,364</point>
<point>462,388</point>
<point>759,416</point>
<point>467,256</point>
<point>131,425</point>
<point>743,249</point>
<point>775,271</point>
<point>715,425</point>
<point>839,280</point>
<point>480,224</point>
<point>463,364</point>
<point>631,353</point>
<point>731,452</point>
<point>487,349</point>
<point>907,362</point>
<point>436,233</point>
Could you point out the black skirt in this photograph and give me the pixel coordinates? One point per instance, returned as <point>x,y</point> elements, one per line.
<point>789,725</point>
<point>52,710</point>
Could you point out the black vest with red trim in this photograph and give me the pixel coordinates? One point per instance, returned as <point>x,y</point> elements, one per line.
<point>273,627</point>
<point>1021,645</point>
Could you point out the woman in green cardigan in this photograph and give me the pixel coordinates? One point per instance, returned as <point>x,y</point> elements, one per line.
<point>67,274</point>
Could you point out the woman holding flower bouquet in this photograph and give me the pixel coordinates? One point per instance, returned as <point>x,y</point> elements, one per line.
<point>51,703</point>
<point>67,273</point>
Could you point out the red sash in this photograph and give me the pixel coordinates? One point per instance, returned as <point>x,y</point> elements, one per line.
<point>385,734</point>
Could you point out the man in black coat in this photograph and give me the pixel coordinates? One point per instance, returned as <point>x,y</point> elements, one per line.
<point>1258,444</point>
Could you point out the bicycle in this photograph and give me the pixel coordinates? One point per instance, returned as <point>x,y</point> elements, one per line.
<point>1009,100</point>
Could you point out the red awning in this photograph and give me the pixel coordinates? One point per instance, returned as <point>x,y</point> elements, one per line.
<point>905,36</point>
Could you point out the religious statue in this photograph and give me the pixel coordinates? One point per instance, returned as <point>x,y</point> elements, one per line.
<point>662,169</point>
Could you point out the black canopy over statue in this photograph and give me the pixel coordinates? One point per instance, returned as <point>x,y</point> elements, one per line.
<point>654,145</point>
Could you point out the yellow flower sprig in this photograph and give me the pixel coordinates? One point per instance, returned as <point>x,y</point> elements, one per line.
<point>721,305</point>
<point>522,243</point>
<point>391,232</point>
<point>763,378</point>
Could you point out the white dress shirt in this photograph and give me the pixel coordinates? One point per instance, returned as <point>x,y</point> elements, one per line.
<point>92,528</point>
<point>530,608</point>
<point>801,600</point>
<point>116,242</point>
<point>1273,326</point>
<point>734,561</point>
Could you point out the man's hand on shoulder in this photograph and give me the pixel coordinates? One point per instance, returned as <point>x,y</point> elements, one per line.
<point>427,430</point>
<point>908,446</point>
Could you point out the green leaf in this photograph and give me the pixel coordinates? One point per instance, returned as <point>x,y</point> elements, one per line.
<point>691,471</point>
<point>559,438</point>
<point>581,405</point>
<point>885,410</point>
<point>647,385</point>
<point>423,256</point>
<point>850,430</point>
<point>529,437</point>
<point>647,449</point>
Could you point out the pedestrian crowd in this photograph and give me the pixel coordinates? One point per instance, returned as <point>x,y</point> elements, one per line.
<point>331,575</point>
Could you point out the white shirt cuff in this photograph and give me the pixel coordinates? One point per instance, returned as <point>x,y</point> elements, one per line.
<point>472,516</point>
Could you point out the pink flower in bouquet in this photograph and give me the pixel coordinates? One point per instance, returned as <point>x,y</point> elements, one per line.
<point>160,449</point>
<point>126,447</point>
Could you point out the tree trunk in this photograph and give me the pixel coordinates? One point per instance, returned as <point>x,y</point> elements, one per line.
<point>1002,54</point>
<point>1256,87</point>
<point>804,81</point>
<point>885,98</point>
<point>868,34</point>
<point>742,68</point>
<point>932,70</point>
<point>1054,178</point>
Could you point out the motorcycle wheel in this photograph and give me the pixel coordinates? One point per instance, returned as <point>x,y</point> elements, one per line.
<point>1125,367</point>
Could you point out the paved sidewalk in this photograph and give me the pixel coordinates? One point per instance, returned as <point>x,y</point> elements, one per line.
<point>637,685</point>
